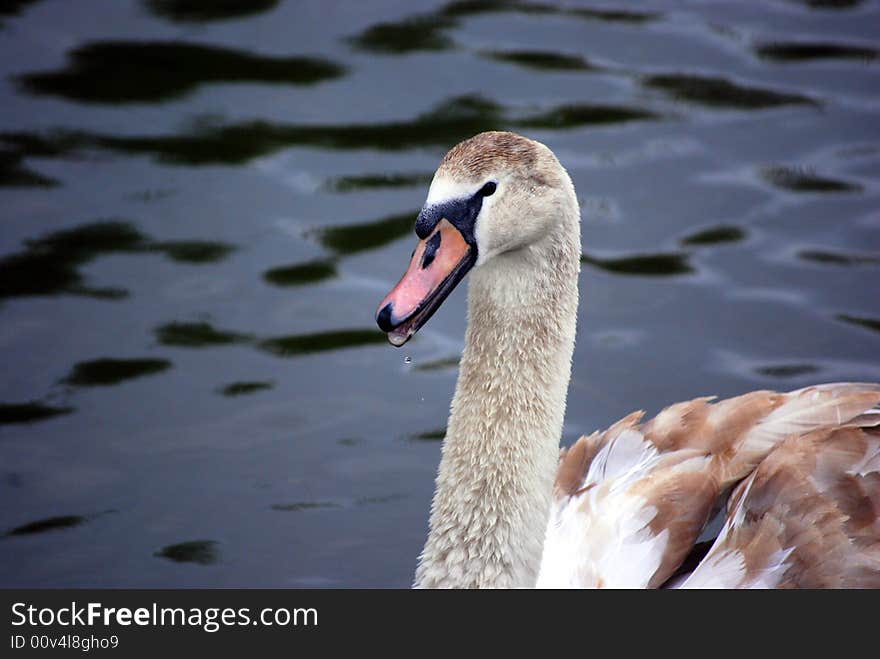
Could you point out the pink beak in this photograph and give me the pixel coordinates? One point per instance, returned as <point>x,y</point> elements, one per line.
<point>438,263</point>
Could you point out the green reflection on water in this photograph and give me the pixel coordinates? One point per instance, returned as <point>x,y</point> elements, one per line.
<point>830,4</point>
<point>14,7</point>
<point>352,238</point>
<point>206,142</point>
<point>423,32</point>
<point>450,122</point>
<point>387,498</point>
<point>30,412</point>
<point>476,7</point>
<point>197,335</point>
<point>89,240</point>
<point>108,372</point>
<point>542,60</point>
<point>428,31</point>
<point>35,273</point>
<point>299,344</point>
<point>613,15</point>
<point>14,174</point>
<point>718,92</point>
<point>803,179</point>
<point>374,181</point>
<point>861,321</point>
<point>651,265</point>
<point>52,144</point>
<point>194,251</point>
<point>245,388</point>
<point>715,236</point>
<point>429,435</point>
<point>50,265</point>
<point>48,524</point>
<point>15,147</point>
<point>197,11</point>
<point>304,505</point>
<point>438,364</point>
<point>126,72</point>
<point>799,51</point>
<point>301,273</point>
<point>573,116</point>
<point>787,370</point>
<point>201,552</point>
<point>827,257</point>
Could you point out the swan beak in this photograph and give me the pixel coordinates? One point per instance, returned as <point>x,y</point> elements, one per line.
<point>438,263</point>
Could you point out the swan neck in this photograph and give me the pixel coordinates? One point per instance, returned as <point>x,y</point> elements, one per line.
<point>501,448</point>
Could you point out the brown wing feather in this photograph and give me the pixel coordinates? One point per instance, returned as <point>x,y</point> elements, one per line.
<point>684,501</point>
<point>808,517</point>
<point>705,448</point>
<point>574,462</point>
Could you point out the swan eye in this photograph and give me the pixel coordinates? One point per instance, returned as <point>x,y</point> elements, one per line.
<point>488,190</point>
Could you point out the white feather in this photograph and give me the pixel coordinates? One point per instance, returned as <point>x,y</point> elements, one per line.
<point>444,188</point>
<point>602,537</point>
<point>725,570</point>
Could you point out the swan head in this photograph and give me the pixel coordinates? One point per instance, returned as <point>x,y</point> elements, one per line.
<point>492,195</point>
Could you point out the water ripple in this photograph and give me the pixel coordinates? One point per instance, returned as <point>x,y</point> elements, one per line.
<point>801,51</point>
<point>300,344</point>
<point>198,11</point>
<point>30,412</point>
<point>541,60</point>
<point>800,179</point>
<point>861,321</point>
<point>15,7</point>
<point>153,71</point>
<point>244,388</point>
<point>583,114</point>
<point>108,372</point>
<point>200,552</point>
<point>14,174</point>
<point>301,273</point>
<point>353,238</point>
<point>442,364</point>
<point>376,181</point>
<point>206,142</point>
<point>477,7</point>
<point>56,523</point>
<point>197,335</point>
<point>428,31</point>
<point>414,33</point>
<point>829,4</point>
<point>436,435</point>
<point>304,505</point>
<point>787,370</point>
<point>48,524</point>
<point>649,265</point>
<point>720,92</point>
<point>828,257</point>
<point>715,236</point>
<point>50,265</point>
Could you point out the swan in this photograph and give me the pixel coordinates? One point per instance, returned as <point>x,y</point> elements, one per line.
<point>623,507</point>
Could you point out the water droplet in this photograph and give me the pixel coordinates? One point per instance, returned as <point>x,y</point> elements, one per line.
<point>407,360</point>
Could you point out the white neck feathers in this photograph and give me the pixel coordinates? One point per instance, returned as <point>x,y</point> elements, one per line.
<point>501,449</point>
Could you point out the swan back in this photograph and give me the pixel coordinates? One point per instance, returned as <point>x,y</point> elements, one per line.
<point>630,502</point>
<point>808,517</point>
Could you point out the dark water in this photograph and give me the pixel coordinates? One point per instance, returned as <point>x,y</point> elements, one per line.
<point>201,209</point>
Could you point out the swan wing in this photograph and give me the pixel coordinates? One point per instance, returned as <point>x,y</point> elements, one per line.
<point>630,502</point>
<point>807,517</point>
